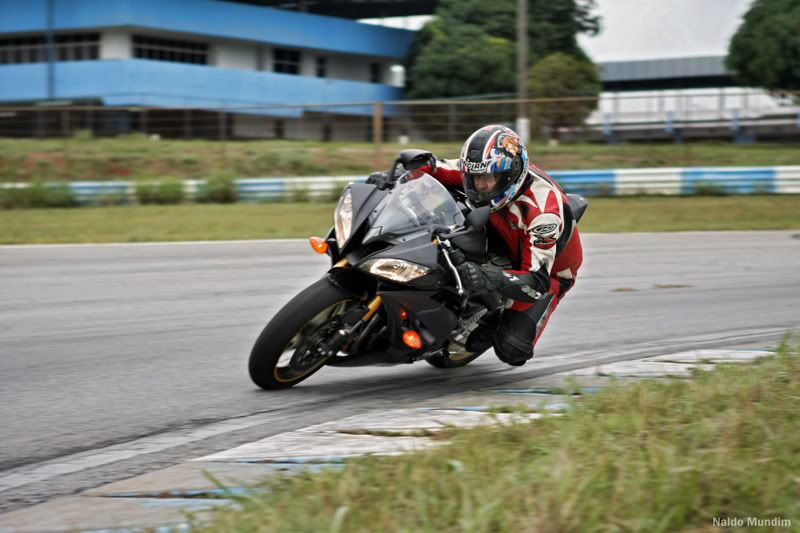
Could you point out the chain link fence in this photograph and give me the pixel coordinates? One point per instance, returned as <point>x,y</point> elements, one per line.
<point>612,117</point>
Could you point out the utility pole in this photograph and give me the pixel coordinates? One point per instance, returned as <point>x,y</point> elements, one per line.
<point>51,54</point>
<point>523,123</point>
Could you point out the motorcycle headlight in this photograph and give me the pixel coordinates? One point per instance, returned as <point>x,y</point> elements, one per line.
<point>343,218</point>
<point>395,269</point>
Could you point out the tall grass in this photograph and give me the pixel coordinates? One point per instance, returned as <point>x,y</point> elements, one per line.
<point>136,156</point>
<point>219,188</point>
<point>37,195</point>
<point>650,457</point>
<point>168,190</point>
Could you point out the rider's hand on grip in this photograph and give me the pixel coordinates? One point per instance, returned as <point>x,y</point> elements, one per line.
<point>474,277</point>
<point>457,257</point>
<point>381,179</point>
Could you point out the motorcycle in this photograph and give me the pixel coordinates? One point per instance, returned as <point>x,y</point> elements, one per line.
<point>393,294</point>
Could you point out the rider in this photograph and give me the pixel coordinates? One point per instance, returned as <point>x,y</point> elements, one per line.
<point>530,215</point>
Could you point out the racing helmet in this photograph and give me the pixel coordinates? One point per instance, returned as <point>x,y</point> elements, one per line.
<point>494,165</point>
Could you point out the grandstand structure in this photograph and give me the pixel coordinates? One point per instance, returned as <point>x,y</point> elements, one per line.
<point>676,99</point>
<point>185,60</point>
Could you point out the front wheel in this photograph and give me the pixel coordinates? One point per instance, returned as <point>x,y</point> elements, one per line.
<point>286,351</point>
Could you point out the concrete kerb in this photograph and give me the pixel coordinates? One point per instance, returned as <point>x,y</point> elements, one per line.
<point>162,498</point>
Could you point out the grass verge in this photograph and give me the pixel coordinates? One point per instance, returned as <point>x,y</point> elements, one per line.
<point>148,223</point>
<point>652,456</point>
<point>136,157</point>
<point>286,220</point>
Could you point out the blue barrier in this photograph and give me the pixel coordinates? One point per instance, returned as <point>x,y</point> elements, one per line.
<point>663,181</point>
<point>587,182</point>
<point>728,181</point>
<point>90,192</point>
<point>253,190</point>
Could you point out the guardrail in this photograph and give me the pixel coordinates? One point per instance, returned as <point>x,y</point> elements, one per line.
<point>689,181</point>
<point>639,181</point>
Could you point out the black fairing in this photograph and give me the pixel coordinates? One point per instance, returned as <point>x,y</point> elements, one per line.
<point>365,199</point>
<point>473,245</point>
<point>438,320</point>
<point>478,218</point>
<point>419,250</point>
<point>577,205</point>
<point>351,280</point>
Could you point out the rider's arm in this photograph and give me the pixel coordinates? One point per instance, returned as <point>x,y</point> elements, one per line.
<point>538,235</point>
<point>538,255</point>
<point>541,228</point>
<point>447,172</point>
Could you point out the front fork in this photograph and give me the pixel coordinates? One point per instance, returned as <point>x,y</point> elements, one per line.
<point>338,276</point>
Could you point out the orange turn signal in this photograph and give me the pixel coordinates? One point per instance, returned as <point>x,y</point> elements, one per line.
<point>412,340</point>
<point>318,244</point>
<point>403,314</point>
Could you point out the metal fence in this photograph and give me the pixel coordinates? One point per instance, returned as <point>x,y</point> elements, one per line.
<point>670,116</point>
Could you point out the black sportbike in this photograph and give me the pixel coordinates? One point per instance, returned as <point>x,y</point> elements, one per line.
<point>393,294</point>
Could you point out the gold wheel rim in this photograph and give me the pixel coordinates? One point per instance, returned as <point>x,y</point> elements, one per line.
<point>290,348</point>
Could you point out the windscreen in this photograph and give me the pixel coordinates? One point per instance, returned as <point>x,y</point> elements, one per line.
<point>417,200</point>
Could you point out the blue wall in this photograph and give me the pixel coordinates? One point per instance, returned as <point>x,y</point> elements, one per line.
<point>144,82</point>
<point>209,17</point>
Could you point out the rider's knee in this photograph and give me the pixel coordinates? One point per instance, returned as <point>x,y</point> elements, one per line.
<point>512,349</point>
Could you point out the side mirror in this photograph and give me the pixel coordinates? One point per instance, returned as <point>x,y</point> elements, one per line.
<point>413,158</point>
<point>478,218</point>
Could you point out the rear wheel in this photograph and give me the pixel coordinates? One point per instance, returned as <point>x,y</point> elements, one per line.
<point>286,351</point>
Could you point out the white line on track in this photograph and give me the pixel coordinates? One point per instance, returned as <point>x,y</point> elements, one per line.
<point>68,464</point>
<point>266,241</point>
<point>159,243</point>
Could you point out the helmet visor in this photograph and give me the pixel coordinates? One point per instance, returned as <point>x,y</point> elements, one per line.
<point>483,187</point>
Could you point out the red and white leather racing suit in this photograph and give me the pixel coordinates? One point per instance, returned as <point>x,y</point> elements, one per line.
<point>545,249</point>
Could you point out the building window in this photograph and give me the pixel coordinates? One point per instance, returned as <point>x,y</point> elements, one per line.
<point>375,72</point>
<point>160,49</point>
<point>286,61</point>
<point>33,48</point>
<point>322,67</point>
<point>261,59</point>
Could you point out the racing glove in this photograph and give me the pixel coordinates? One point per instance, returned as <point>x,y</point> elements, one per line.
<point>526,287</point>
<point>479,278</point>
<point>382,179</point>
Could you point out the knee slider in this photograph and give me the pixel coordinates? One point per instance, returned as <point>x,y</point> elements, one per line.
<point>511,351</point>
<point>513,342</point>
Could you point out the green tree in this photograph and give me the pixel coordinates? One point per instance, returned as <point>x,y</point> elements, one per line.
<point>468,47</point>
<point>765,50</point>
<point>562,76</point>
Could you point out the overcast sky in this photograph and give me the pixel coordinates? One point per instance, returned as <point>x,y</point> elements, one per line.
<point>650,29</point>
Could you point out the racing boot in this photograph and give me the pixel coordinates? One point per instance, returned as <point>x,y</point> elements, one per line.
<point>482,337</point>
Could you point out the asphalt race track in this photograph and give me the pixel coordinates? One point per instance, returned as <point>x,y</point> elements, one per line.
<point>119,359</point>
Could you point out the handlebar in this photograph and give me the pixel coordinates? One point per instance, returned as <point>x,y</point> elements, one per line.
<point>447,233</point>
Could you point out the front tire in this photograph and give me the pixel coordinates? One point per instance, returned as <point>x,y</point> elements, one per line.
<point>283,354</point>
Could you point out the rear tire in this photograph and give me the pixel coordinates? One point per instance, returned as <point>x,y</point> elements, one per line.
<point>278,359</point>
